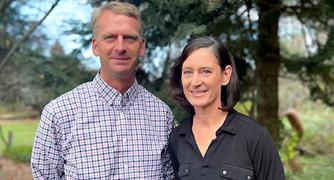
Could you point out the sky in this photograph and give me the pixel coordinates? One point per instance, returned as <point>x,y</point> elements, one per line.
<point>55,25</point>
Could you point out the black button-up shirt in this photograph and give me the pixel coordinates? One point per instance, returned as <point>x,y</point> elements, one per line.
<point>242,149</point>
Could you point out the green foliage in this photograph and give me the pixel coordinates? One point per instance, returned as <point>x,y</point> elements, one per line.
<point>18,153</point>
<point>317,142</point>
<point>319,124</point>
<point>60,74</point>
<point>23,136</point>
<point>189,28</point>
<point>289,146</point>
<point>41,79</point>
<point>315,168</point>
<point>32,78</point>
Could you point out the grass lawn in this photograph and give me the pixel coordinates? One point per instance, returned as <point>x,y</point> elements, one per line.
<point>23,137</point>
<point>320,167</point>
<point>318,139</point>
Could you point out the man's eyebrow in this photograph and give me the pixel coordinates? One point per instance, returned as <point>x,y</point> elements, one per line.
<point>136,37</point>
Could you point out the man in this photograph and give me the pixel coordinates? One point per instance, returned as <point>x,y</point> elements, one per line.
<point>111,127</point>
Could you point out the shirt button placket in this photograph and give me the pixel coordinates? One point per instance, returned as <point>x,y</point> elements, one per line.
<point>122,116</point>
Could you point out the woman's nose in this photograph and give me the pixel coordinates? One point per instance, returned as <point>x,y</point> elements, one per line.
<point>196,80</point>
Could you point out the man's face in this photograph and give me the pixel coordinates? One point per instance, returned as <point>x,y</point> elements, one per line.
<point>119,44</point>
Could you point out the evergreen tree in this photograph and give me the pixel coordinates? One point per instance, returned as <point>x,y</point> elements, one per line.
<point>251,31</point>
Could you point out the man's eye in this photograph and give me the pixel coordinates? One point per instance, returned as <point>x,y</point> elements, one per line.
<point>130,38</point>
<point>110,38</point>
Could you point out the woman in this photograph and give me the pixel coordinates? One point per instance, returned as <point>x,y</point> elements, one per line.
<point>216,142</point>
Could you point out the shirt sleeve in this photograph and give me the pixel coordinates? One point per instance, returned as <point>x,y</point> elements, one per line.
<point>46,161</point>
<point>266,160</point>
<point>167,169</point>
<point>171,150</point>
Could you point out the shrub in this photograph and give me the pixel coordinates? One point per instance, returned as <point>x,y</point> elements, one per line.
<point>18,153</point>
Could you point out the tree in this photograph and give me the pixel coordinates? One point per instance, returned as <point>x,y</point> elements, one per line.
<point>32,78</point>
<point>251,31</point>
<point>16,44</point>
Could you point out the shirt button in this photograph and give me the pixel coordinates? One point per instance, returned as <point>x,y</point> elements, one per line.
<point>124,140</point>
<point>126,167</point>
<point>224,172</point>
<point>249,177</point>
<point>121,115</point>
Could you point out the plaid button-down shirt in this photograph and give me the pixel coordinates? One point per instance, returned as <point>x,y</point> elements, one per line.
<point>95,132</point>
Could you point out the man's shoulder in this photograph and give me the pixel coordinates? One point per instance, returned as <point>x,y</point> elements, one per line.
<point>150,98</point>
<point>76,95</point>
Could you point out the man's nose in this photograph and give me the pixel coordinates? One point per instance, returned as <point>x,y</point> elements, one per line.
<point>120,46</point>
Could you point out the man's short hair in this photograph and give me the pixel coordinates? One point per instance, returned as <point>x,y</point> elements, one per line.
<point>123,8</point>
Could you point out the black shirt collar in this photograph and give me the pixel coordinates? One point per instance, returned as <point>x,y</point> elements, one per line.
<point>229,125</point>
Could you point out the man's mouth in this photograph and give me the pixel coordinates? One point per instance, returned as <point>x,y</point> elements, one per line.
<point>120,58</point>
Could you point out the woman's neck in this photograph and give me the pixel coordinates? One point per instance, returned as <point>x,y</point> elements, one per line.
<point>209,117</point>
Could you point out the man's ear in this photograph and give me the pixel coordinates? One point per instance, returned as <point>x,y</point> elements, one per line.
<point>227,73</point>
<point>95,47</point>
<point>142,48</point>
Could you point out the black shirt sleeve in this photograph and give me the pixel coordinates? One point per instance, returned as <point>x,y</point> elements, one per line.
<point>266,160</point>
<point>172,143</point>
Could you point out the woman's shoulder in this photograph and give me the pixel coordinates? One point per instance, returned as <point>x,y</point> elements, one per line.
<point>183,126</point>
<point>182,129</point>
<point>247,125</point>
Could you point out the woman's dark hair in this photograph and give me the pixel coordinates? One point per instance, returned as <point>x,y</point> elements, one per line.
<point>230,93</point>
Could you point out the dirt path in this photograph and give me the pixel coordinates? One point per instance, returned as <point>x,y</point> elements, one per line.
<point>11,170</point>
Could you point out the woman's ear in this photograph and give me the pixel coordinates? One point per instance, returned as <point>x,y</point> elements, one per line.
<point>227,73</point>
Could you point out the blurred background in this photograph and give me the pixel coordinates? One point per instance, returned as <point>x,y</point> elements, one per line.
<point>284,52</point>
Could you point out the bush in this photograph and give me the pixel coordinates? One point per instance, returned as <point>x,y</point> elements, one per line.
<point>18,153</point>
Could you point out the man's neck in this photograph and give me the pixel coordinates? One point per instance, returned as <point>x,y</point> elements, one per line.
<point>121,84</point>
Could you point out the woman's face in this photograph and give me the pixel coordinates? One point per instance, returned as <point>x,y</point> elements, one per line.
<point>202,79</point>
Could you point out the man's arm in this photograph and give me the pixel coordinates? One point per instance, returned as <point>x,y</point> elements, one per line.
<point>167,168</point>
<point>46,161</point>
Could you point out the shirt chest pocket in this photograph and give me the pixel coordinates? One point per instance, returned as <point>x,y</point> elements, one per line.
<point>237,173</point>
<point>184,170</point>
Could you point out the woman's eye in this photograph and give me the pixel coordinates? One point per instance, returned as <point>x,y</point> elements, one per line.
<point>206,72</point>
<point>187,73</point>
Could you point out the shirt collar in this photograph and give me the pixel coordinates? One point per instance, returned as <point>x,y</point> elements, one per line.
<point>112,96</point>
<point>229,125</point>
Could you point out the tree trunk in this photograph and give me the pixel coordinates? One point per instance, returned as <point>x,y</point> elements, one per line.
<point>267,67</point>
